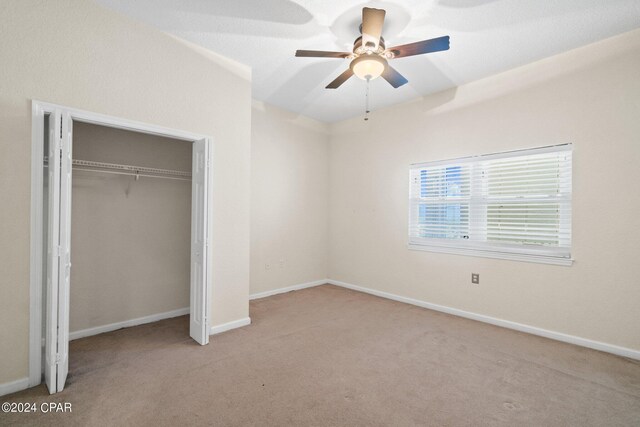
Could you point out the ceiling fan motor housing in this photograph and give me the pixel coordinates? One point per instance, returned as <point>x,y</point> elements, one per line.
<point>358,49</point>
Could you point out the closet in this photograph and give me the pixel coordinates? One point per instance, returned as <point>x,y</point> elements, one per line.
<point>129,204</point>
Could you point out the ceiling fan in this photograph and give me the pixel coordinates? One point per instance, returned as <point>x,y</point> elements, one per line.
<point>369,57</point>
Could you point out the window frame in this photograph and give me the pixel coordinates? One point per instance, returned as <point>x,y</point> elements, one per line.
<point>557,255</point>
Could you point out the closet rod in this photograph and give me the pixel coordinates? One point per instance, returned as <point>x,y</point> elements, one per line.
<point>118,169</point>
<point>130,174</point>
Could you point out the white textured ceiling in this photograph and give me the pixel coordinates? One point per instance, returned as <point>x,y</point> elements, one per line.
<point>487,37</point>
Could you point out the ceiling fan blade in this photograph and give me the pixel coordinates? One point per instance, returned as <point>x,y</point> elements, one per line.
<point>394,78</point>
<point>372,21</point>
<point>340,79</point>
<point>322,54</point>
<point>418,48</point>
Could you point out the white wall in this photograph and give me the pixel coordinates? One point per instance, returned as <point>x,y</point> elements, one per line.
<point>289,199</point>
<point>75,53</point>
<point>130,240</point>
<point>590,97</point>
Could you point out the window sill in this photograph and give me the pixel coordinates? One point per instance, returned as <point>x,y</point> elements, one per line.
<point>540,259</point>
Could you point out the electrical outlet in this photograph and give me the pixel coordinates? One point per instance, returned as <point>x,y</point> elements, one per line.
<point>281,263</point>
<point>475,278</point>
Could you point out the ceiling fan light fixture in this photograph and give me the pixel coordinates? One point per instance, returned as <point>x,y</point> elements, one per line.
<point>368,67</point>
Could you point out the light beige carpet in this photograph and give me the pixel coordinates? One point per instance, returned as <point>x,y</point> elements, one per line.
<point>328,356</point>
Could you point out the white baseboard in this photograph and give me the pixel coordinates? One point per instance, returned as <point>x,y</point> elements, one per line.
<point>288,289</point>
<point>13,386</point>
<point>558,336</point>
<point>218,329</point>
<point>127,323</point>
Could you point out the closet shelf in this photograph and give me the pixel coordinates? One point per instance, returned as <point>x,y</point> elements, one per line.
<point>114,168</point>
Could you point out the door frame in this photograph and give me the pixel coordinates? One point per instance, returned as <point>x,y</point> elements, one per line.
<point>38,110</point>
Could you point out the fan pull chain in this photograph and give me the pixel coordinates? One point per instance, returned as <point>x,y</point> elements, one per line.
<point>366,99</point>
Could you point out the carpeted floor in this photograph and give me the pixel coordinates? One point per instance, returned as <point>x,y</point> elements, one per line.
<point>328,356</point>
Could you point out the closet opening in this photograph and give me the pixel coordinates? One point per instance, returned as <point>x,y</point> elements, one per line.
<point>129,204</point>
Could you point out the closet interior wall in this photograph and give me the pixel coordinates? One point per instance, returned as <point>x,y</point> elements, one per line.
<point>130,238</point>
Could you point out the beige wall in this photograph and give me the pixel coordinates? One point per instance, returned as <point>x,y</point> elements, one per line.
<point>289,199</point>
<point>590,97</point>
<point>78,54</point>
<point>130,239</point>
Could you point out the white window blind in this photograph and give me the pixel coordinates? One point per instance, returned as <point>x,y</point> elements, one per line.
<point>514,205</point>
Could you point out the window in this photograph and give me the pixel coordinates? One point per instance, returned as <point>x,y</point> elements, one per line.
<point>514,205</point>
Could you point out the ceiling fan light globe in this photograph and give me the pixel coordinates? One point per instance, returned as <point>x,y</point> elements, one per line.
<point>368,67</point>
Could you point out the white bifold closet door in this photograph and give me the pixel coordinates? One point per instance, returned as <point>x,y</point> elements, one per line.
<point>58,252</point>
<point>198,329</point>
